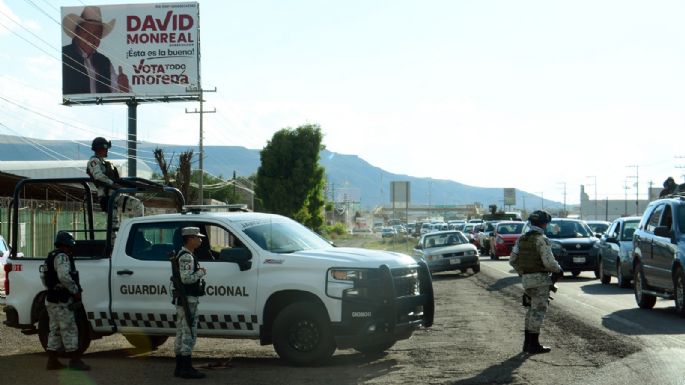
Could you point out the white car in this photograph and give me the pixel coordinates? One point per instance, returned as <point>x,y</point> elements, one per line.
<point>447,250</point>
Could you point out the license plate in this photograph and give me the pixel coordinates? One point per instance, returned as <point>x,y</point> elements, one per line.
<point>455,261</point>
<point>578,259</point>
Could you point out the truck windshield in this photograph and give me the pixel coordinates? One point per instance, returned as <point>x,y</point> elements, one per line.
<point>285,237</point>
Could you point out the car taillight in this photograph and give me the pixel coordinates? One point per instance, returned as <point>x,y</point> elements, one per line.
<point>8,268</point>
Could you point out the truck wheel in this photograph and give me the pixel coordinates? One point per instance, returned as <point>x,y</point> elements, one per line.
<point>375,349</point>
<point>679,286</point>
<point>302,334</point>
<point>81,324</point>
<point>475,269</point>
<point>145,342</point>
<point>575,273</point>
<point>604,278</point>
<point>644,301</point>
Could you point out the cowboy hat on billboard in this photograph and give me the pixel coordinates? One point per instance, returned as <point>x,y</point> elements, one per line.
<point>91,15</point>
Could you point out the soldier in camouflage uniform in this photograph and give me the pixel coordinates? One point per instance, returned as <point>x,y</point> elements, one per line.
<point>191,277</point>
<point>61,279</point>
<point>532,258</point>
<point>104,176</point>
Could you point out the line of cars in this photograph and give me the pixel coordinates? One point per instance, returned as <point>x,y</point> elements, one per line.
<point>602,247</point>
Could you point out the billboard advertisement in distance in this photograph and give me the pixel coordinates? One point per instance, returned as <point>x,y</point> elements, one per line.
<point>130,50</point>
<point>509,196</point>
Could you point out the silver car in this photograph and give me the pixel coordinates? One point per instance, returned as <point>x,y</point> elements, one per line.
<point>616,251</point>
<point>447,250</point>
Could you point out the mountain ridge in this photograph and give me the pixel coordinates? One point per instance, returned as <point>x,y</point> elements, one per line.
<point>350,178</point>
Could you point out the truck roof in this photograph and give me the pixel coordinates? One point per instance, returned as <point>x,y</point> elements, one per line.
<point>235,217</point>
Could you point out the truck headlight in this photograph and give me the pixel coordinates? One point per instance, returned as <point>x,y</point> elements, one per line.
<point>344,281</point>
<point>347,274</point>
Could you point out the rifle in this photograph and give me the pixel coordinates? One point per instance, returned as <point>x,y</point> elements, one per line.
<point>179,292</point>
<point>525,300</point>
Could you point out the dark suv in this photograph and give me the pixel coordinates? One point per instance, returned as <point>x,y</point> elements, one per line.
<point>574,245</point>
<point>659,254</point>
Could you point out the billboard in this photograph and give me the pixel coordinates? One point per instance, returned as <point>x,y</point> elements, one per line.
<point>509,196</point>
<point>399,192</point>
<point>130,50</point>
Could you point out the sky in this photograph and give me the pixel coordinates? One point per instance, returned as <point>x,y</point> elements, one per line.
<point>542,96</point>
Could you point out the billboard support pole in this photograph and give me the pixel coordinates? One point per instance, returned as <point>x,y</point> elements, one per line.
<point>132,136</point>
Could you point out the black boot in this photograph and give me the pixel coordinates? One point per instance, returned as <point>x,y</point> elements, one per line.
<point>187,370</point>
<point>53,362</point>
<point>75,362</point>
<point>534,346</point>
<point>179,365</point>
<point>526,341</point>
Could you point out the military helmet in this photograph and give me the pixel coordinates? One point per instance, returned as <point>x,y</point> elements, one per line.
<point>99,143</point>
<point>65,239</point>
<point>539,217</point>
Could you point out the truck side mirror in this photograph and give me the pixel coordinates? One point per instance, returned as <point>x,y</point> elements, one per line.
<point>662,231</point>
<point>239,255</point>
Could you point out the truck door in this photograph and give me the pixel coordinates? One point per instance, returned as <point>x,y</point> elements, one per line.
<point>231,294</point>
<point>644,240</point>
<point>140,284</point>
<point>663,251</point>
<point>141,289</point>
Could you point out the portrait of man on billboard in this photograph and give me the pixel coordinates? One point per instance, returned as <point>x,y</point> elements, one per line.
<point>84,69</point>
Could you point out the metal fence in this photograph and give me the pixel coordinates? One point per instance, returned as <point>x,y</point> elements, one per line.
<point>39,221</point>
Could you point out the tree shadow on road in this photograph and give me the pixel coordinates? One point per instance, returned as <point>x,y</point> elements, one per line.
<point>502,373</point>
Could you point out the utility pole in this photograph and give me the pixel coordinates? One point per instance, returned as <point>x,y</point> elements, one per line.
<point>595,179</point>
<point>542,200</point>
<point>202,149</point>
<point>564,183</point>
<point>637,187</point>
<point>625,199</point>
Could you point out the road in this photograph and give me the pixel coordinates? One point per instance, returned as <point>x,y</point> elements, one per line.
<point>597,334</point>
<point>659,331</point>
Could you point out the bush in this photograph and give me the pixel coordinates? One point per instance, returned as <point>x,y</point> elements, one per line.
<point>335,230</point>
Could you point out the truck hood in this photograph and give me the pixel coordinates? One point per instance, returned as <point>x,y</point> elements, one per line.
<point>356,257</point>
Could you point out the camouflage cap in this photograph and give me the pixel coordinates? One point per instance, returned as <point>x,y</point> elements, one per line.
<point>195,231</point>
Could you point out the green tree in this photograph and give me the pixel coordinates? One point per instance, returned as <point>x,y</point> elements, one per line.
<point>290,180</point>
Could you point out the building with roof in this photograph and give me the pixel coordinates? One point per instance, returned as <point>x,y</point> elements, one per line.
<point>39,169</point>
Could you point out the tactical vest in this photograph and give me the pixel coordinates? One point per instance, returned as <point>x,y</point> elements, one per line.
<point>530,260</point>
<point>57,293</point>
<point>195,289</point>
<point>111,172</point>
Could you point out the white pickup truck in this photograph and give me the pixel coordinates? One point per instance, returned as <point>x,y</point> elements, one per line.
<point>268,278</point>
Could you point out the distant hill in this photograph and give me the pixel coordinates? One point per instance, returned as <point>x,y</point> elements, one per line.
<point>347,175</point>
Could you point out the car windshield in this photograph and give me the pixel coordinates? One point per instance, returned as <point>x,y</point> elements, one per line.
<point>510,228</point>
<point>285,237</point>
<point>444,239</point>
<point>629,229</point>
<point>598,227</point>
<point>567,229</point>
